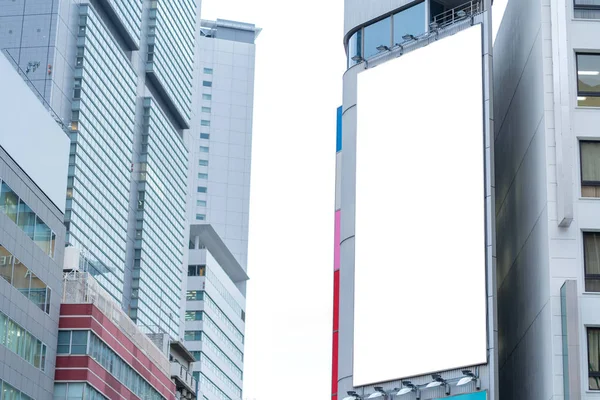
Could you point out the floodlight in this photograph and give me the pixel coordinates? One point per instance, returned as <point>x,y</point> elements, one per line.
<point>408,387</point>
<point>378,393</point>
<point>357,58</point>
<point>468,377</point>
<point>382,47</point>
<point>434,26</point>
<point>408,37</point>
<point>461,14</point>
<point>352,395</point>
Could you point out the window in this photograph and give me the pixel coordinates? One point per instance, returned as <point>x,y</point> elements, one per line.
<point>195,295</point>
<point>590,168</point>
<point>204,122</point>
<point>22,343</point>
<point>196,355</point>
<point>204,136</point>
<point>201,189</point>
<point>354,47</point>
<point>203,149</point>
<point>593,335</point>
<point>377,34</point>
<point>200,217</point>
<point>196,270</point>
<point>24,280</point>
<point>64,342</point>
<point>9,201</point>
<point>205,109</point>
<point>201,203</point>
<point>206,96</point>
<point>192,335</point>
<point>207,83</point>
<point>410,21</point>
<point>588,80</point>
<point>208,71</point>
<point>193,315</point>
<point>202,176</point>
<point>591,253</point>
<point>203,163</point>
<point>587,9</point>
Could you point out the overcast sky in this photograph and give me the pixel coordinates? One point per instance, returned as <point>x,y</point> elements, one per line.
<point>298,86</point>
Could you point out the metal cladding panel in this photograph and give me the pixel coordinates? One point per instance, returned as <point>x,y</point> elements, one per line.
<point>420,245</point>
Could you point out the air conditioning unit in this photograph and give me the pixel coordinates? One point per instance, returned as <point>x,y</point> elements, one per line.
<point>71,260</point>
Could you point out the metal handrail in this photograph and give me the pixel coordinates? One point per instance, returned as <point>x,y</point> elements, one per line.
<point>35,91</point>
<point>458,13</point>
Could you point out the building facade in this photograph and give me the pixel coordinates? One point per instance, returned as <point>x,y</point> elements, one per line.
<point>546,132</point>
<point>102,354</point>
<point>120,77</point>
<point>377,36</point>
<point>219,185</point>
<point>32,238</point>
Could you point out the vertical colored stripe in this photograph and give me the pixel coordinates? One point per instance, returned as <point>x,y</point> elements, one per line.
<point>336,324</point>
<point>338,137</point>
<point>336,238</point>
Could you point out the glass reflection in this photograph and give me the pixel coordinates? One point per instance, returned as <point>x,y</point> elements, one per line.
<point>588,80</point>
<point>410,21</point>
<point>377,34</point>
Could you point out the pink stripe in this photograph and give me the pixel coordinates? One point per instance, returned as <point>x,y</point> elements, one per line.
<point>336,238</point>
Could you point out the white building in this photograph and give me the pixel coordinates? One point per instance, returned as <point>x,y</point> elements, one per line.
<point>219,186</point>
<point>547,62</point>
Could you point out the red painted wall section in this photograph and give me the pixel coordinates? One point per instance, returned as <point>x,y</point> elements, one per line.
<point>88,316</point>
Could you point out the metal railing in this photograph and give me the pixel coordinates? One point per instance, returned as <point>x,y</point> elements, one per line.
<point>457,14</point>
<point>184,375</point>
<point>35,91</point>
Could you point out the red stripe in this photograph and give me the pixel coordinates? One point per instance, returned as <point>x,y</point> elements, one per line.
<point>336,325</point>
<point>88,316</point>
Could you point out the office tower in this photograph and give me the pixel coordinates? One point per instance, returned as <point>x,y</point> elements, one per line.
<point>414,259</point>
<point>33,173</point>
<point>119,75</point>
<point>220,150</point>
<point>547,62</point>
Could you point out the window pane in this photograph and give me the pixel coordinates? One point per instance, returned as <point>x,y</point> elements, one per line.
<point>588,9</point>
<point>21,278</point>
<point>201,203</point>
<point>203,163</point>
<point>206,96</point>
<point>377,34</point>
<point>409,22</point>
<point>207,83</point>
<point>591,248</point>
<point>590,162</point>
<point>205,109</point>
<point>79,342</point>
<point>9,202</point>
<point>588,75</point>
<point>37,292</point>
<point>6,261</point>
<point>354,47</point>
<point>3,322</point>
<point>64,339</point>
<point>204,136</point>
<point>594,357</point>
<point>200,217</point>
<point>26,219</point>
<point>42,235</point>
<point>208,71</point>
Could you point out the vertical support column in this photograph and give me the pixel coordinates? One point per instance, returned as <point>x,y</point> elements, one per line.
<point>336,259</point>
<point>570,340</point>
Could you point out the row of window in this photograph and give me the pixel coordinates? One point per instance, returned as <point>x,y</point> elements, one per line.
<point>21,342</point>
<point>216,282</point>
<point>195,295</point>
<point>588,79</point>
<point>76,391</point>
<point>21,214</point>
<point>196,270</point>
<point>8,392</point>
<point>87,343</point>
<point>209,364</point>
<point>208,343</point>
<point>25,281</point>
<point>206,385</point>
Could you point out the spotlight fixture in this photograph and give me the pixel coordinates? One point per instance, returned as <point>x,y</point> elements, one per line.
<point>378,393</point>
<point>352,395</point>
<point>408,37</point>
<point>434,26</point>
<point>438,381</point>
<point>408,387</point>
<point>382,47</point>
<point>357,58</point>
<point>469,376</point>
<point>461,14</point>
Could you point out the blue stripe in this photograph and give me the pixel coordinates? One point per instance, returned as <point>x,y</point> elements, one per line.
<point>338,141</point>
<point>471,396</point>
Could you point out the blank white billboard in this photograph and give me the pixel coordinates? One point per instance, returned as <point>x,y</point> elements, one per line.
<point>420,299</point>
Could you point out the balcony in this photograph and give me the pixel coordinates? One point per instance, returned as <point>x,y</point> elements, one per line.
<point>184,380</point>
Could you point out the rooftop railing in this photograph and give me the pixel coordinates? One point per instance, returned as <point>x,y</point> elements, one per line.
<point>457,14</point>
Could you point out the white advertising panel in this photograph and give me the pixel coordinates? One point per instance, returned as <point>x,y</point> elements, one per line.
<point>420,299</point>
<point>31,136</point>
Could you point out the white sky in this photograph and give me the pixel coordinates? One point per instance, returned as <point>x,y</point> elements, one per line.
<point>298,86</point>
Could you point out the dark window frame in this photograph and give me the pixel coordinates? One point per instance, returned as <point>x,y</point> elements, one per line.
<point>584,53</point>
<point>591,374</point>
